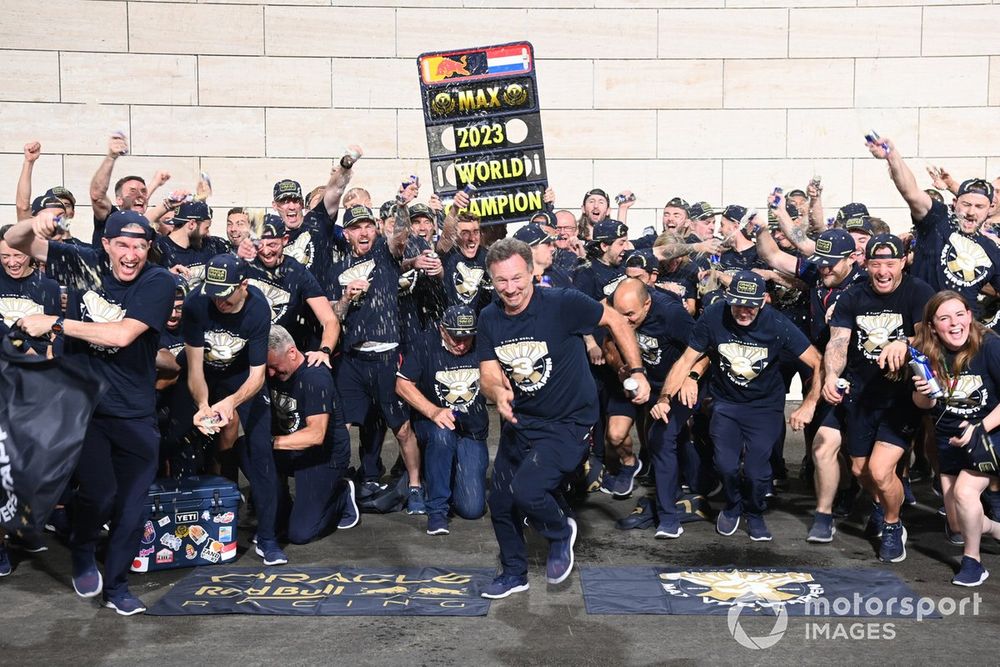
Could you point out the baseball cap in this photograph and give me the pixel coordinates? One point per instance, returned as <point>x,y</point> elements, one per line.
<point>599,192</point>
<point>547,218</point>
<point>356,214</point>
<point>976,186</point>
<point>273,227</point>
<point>796,193</point>
<point>746,289</point>
<point>642,258</point>
<point>387,210</point>
<point>286,189</point>
<point>678,202</point>
<point>62,193</point>
<point>533,234</point>
<point>852,210</point>
<point>43,202</point>
<point>735,212</point>
<point>860,224</point>
<point>191,211</point>
<point>701,210</point>
<point>832,246</point>
<point>421,211</point>
<point>223,275</point>
<point>459,321</point>
<point>609,230</point>
<point>119,220</point>
<point>885,246</point>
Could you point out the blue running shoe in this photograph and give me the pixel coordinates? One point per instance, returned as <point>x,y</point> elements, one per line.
<point>270,552</point>
<point>125,604</point>
<point>87,580</point>
<point>669,530</point>
<point>822,530</point>
<point>28,542</point>
<point>893,548</point>
<point>504,585</point>
<point>971,573</point>
<point>625,479</point>
<point>437,524</point>
<point>640,518</point>
<point>5,566</point>
<point>725,524</point>
<point>415,501</point>
<point>952,536</point>
<point>757,528</point>
<point>351,515</point>
<point>560,561</point>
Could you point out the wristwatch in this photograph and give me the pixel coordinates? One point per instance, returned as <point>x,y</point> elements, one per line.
<point>327,350</point>
<point>57,326</point>
<point>639,369</point>
<point>694,376</point>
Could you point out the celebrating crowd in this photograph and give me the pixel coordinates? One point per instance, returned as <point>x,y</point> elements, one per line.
<point>610,357</point>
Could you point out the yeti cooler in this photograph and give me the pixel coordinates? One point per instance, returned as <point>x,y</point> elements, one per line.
<point>191,522</point>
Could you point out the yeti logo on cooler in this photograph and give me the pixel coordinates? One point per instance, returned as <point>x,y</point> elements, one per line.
<point>186,517</point>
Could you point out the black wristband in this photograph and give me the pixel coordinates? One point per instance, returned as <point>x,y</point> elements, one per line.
<point>639,369</point>
<point>694,376</point>
<point>327,350</point>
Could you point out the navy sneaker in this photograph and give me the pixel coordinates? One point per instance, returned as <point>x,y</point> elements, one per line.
<point>125,604</point>
<point>971,573</point>
<point>908,496</point>
<point>822,530</point>
<point>87,580</point>
<point>669,529</point>
<point>351,515</point>
<point>560,561</point>
<point>437,524</point>
<point>893,547</point>
<point>640,518</point>
<point>625,479</point>
<point>953,537</point>
<point>608,482</point>
<point>58,522</point>
<point>270,552</point>
<point>876,521</point>
<point>5,566</point>
<point>725,524</point>
<point>771,492</point>
<point>942,511</point>
<point>504,585</point>
<point>415,501</point>
<point>30,543</point>
<point>757,528</point>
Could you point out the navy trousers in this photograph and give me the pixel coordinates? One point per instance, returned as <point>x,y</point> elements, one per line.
<point>748,432</point>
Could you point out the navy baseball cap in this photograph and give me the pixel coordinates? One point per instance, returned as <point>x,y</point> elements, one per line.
<point>357,214</point>
<point>599,192</point>
<point>547,218</point>
<point>885,246</point>
<point>852,210</point>
<point>609,230</point>
<point>976,186</point>
<point>701,210</point>
<point>678,202</point>
<point>735,212</point>
<point>287,189</point>
<point>860,224</point>
<point>62,193</point>
<point>533,234</point>
<point>642,258</point>
<point>746,289</point>
<point>832,246</point>
<point>421,211</point>
<point>118,221</point>
<point>273,227</point>
<point>42,202</point>
<point>459,321</point>
<point>191,211</point>
<point>387,210</point>
<point>223,275</point>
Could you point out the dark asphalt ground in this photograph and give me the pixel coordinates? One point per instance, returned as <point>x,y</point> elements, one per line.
<point>44,623</point>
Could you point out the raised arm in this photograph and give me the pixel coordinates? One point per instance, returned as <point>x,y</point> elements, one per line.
<point>101,181</point>
<point>340,176</point>
<point>22,198</point>
<point>918,200</point>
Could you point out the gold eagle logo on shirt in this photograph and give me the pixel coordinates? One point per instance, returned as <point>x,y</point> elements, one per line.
<point>277,298</point>
<point>301,249</point>
<point>467,281</point>
<point>967,396</point>
<point>458,388</point>
<point>877,331</point>
<point>650,349</point>
<point>285,409</point>
<point>13,308</point>
<point>527,363</point>
<point>743,362</point>
<point>222,347</point>
<point>360,271</point>
<point>98,309</point>
<point>965,260</point>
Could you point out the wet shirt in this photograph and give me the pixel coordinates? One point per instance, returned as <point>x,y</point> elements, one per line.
<point>32,295</point>
<point>875,320</point>
<point>732,260</point>
<point>307,392</point>
<point>131,370</point>
<point>554,277</point>
<point>448,381</point>
<point>970,395</point>
<point>374,316</point>
<point>466,281</point>
<point>663,335</point>
<point>598,280</point>
<point>287,287</point>
<point>822,298</point>
<point>685,277</point>
<point>233,342</point>
<point>318,243</point>
<point>567,260</point>
<point>541,352</point>
<point>745,368</point>
<point>195,259</point>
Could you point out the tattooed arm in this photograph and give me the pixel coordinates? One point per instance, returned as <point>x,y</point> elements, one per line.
<point>834,363</point>
<point>669,251</point>
<point>794,233</point>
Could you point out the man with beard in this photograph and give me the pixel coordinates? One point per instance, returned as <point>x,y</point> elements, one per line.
<point>541,244</point>
<point>186,250</point>
<point>951,252</point>
<point>870,332</point>
<point>237,227</point>
<point>595,207</point>
<point>115,318</point>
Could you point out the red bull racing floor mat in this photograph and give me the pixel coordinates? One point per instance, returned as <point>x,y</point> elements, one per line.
<point>720,591</point>
<point>339,591</point>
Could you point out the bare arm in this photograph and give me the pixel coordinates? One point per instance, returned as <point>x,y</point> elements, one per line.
<point>196,375</point>
<point>774,256</point>
<point>918,200</point>
<point>496,388</point>
<point>22,198</point>
<point>671,250</point>
<point>628,348</point>
<point>794,233</point>
<point>400,231</point>
<point>679,371</point>
<point>106,334</point>
<point>312,435</point>
<point>449,232</point>
<point>24,238</point>
<point>335,188</point>
<point>101,180</point>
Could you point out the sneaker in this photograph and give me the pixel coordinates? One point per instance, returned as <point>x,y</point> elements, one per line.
<point>415,501</point>
<point>669,529</point>
<point>437,524</point>
<point>371,488</point>
<point>504,585</point>
<point>87,580</point>
<point>5,566</point>
<point>560,561</point>
<point>992,504</point>
<point>970,573</point>
<point>953,537</point>
<point>893,548</point>
<point>725,524</point>
<point>28,542</point>
<point>125,604</point>
<point>876,520</point>
<point>625,479</point>
<point>594,471</point>
<point>351,515</point>
<point>58,522</point>
<point>757,528</point>
<point>908,496</point>
<point>640,518</point>
<point>942,511</point>
<point>270,552</point>
<point>716,490</point>
<point>771,492</point>
<point>822,530</point>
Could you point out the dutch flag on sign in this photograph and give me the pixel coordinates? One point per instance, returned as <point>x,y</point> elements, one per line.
<point>508,59</point>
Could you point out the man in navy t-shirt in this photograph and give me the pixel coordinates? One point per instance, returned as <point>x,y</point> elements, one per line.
<point>188,247</point>
<point>440,380</point>
<point>115,318</point>
<point>23,289</point>
<point>744,338</point>
<point>225,326</point>
<point>534,366</point>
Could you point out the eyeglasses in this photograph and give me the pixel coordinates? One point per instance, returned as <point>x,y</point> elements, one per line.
<point>566,228</point>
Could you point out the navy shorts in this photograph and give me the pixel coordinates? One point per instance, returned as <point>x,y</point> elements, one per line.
<point>951,460</point>
<point>367,380</point>
<point>861,425</point>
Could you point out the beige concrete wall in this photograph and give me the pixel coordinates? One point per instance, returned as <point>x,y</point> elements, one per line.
<point>709,99</point>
